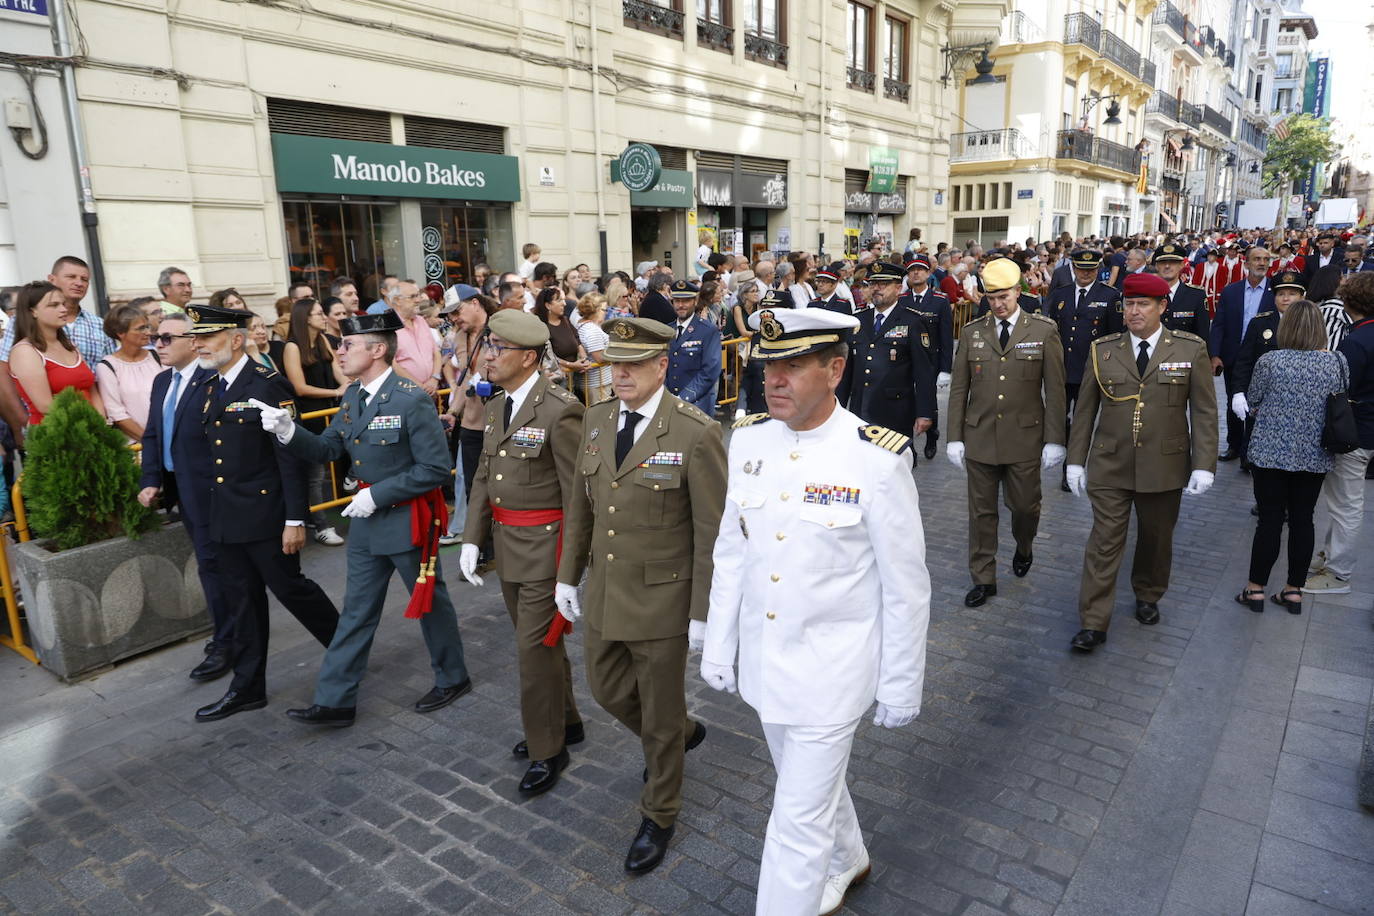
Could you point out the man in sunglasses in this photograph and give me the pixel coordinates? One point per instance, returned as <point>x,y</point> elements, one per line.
<point>176,454</point>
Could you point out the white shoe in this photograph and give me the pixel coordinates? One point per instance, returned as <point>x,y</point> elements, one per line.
<point>739,414</point>
<point>837,886</point>
<point>1326,583</point>
<point>328,536</point>
<point>448,540</point>
<point>1318,564</point>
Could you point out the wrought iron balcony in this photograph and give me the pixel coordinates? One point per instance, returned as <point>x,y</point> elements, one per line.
<point>1083,146</point>
<point>1082,29</point>
<point>1189,114</point>
<point>715,35</point>
<point>1169,15</point>
<point>765,50</point>
<point>986,145</point>
<point>650,17</point>
<point>897,90</point>
<point>1120,53</point>
<point>1147,71</point>
<point>861,80</point>
<point>1216,120</point>
<point>1162,103</point>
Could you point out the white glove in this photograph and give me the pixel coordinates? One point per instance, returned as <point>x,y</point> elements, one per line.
<point>275,420</point>
<point>696,634</point>
<point>1200,481</point>
<point>954,451</point>
<point>467,563</point>
<point>1073,475</point>
<point>942,380</point>
<point>565,599</point>
<point>362,506</point>
<point>1052,455</point>
<point>718,677</point>
<point>894,716</point>
<point>1239,406</point>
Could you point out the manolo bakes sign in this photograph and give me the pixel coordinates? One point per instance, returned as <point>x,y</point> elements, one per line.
<point>318,165</point>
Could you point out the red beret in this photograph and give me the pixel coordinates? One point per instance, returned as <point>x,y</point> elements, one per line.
<point>1145,285</point>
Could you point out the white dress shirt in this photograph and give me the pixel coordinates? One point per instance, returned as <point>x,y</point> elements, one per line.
<point>1152,340</point>
<point>645,411</point>
<point>517,397</point>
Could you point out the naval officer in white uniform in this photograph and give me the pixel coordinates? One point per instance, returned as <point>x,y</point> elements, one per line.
<point>821,589</point>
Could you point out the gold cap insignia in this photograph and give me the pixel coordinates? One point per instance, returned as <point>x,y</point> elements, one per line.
<point>194,315</point>
<point>624,331</point>
<point>769,327</point>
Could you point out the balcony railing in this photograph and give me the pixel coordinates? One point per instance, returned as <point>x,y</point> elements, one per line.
<point>1189,114</point>
<point>651,17</point>
<point>1162,103</point>
<point>1169,15</point>
<point>1147,71</point>
<point>898,90</point>
<point>765,50</point>
<point>715,35</point>
<point>861,80</point>
<point>1216,120</point>
<point>1083,146</point>
<point>985,145</point>
<point>1118,52</point>
<point>1082,29</point>
<point>1019,28</point>
<point>1170,183</point>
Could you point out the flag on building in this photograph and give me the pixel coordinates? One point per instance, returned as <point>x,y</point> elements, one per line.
<point>1282,130</point>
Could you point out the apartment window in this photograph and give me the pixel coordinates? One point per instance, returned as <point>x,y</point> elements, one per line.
<point>955,203</point>
<point>1085,198</point>
<point>1264,33</point>
<point>764,18</point>
<point>982,197</point>
<point>715,11</point>
<point>992,197</point>
<point>1006,194</point>
<point>895,48</point>
<point>1283,101</point>
<point>1284,67</point>
<point>859,32</point>
<point>1063,195</point>
<point>661,16</point>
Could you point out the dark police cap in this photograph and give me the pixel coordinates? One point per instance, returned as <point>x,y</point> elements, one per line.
<point>1290,279</point>
<point>882,272</point>
<point>684,289</point>
<point>918,260</point>
<point>211,319</point>
<point>1168,252</point>
<point>387,321</point>
<point>1086,259</point>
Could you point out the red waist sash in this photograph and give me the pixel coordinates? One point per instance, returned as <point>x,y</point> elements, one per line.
<point>528,518</point>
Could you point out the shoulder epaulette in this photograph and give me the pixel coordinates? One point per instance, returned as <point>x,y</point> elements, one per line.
<point>561,393</point>
<point>604,401</point>
<point>1044,318</point>
<point>940,293</point>
<point>691,410</point>
<point>750,420</point>
<point>1188,335</point>
<point>264,371</point>
<point>1192,285</point>
<point>406,384</point>
<point>1108,338</point>
<point>1035,296</point>
<point>973,321</point>
<point>1265,314</point>
<point>886,438</point>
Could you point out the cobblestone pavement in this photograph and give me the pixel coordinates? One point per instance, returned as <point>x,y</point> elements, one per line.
<point>1205,765</point>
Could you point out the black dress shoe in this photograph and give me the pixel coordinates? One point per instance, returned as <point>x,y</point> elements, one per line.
<point>1064,485</point>
<point>929,450</point>
<point>697,736</point>
<point>232,702</point>
<point>439,697</point>
<point>978,595</point>
<point>1228,456</point>
<point>333,716</point>
<point>1021,565</point>
<point>543,774</point>
<point>1087,640</point>
<point>572,734</point>
<point>648,847</point>
<point>1147,612</point>
<point>212,666</point>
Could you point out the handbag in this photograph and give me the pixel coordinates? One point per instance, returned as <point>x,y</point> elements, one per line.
<point>1340,436</point>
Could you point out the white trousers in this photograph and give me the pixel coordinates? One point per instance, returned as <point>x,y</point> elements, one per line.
<point>813,830</point>
<point>1343,499</point>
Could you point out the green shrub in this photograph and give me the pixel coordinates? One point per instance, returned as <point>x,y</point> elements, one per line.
<point>80,480</point>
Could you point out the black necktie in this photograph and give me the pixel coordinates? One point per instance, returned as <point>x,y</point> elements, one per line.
<point>877,324</point>
<point>362,397</point>
<point>1143,359</point>
<point>625,439</point>
<point>1005,335</point>
<point>1082,294</point>
<point>510,409</point>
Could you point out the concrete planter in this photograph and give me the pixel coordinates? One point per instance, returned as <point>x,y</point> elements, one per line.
<point>92,606</point>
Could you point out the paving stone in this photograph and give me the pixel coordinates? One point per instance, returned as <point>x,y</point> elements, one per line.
<point>1315,874</point>
<point>1339,830</point>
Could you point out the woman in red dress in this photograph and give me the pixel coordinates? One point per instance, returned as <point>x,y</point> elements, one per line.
<point>44,361</point>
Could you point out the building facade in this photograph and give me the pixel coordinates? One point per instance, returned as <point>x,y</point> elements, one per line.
<point>252,144</point>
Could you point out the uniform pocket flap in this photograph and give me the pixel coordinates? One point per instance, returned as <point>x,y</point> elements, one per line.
<point>659,572</point>
<point>380,436</point>
<point>747,499</point>
<point>1029,419</point>
<point>659,478</point>
<point>1104,446</point>
<point>1174,445</point>
<point>831,516</point>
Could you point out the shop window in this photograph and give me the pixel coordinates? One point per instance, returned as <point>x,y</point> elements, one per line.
<point>328,239</point>
<point>456,238</point>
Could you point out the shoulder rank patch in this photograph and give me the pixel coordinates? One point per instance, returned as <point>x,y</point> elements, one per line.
<point>1187,335</point>
<point>1045,318</point>
<point>604,401</point>
<point>1108,338</point>
<point>886,438</point>
<point>264,371</point>
<point>974,321</point>
<point>1191,285</point>
<point>1265,314</point>
<point>406,384</point>
<point>691,410</point>
<point>750,420</point>
<point>562,393</point>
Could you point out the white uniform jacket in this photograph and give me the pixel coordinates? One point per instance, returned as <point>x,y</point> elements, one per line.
<point>820,579</point>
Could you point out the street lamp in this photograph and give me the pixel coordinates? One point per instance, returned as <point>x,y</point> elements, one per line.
<point>957,59</point>
<point>1113,110</point>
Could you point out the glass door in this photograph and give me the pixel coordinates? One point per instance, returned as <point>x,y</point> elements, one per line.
<point>456,238</point>
<point>329,239</point>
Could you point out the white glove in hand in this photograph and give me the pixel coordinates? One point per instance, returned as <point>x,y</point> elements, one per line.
<point>1200,482</point>
<point>467,563</point>
<point>718,677</point>
<point>1074,477</point>
<point>1052,455</point>
<point>565,599</point>
<point>696,634</point>
<point>954,451</point>
<point>942,380</point>
<point>275,420</point>
<point>1239,406</point>
<point>894,716</point>
<point>362,506</point>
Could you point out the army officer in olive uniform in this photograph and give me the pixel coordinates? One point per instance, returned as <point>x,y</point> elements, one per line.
<point>389,433</point>
<point>1186,309</point>
<point>642,522</point>
<point>520,491</point>
<point>1006,421</point>
<point>1145,427</point>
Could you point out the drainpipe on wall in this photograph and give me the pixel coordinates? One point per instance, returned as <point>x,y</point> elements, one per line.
<point>596,144</point>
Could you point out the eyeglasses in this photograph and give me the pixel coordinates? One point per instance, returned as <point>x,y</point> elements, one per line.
<point>497,348</point>
<point>166,339</point>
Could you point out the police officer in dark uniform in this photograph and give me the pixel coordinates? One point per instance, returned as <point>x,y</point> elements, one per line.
<point>890,380</point>
<point>1261,336</point>
<point>694,357</point>
<point>1086,310</point>
<point>938,319</point>
<point>826,298</point>
<point>257,506</point>
<point>1187,306</point>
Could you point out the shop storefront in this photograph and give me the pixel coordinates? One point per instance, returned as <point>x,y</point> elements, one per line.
<point>743,200</point>
<point>658,221</point>
<point>365,210</point>
<point>872,214</point>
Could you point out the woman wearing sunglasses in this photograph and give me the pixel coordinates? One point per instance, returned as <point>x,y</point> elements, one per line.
<point>125,377</point>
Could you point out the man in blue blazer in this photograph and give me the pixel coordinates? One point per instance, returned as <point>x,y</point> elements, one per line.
<point>1239,303</point>
<point>171,465</point>
<point>694,354</point>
